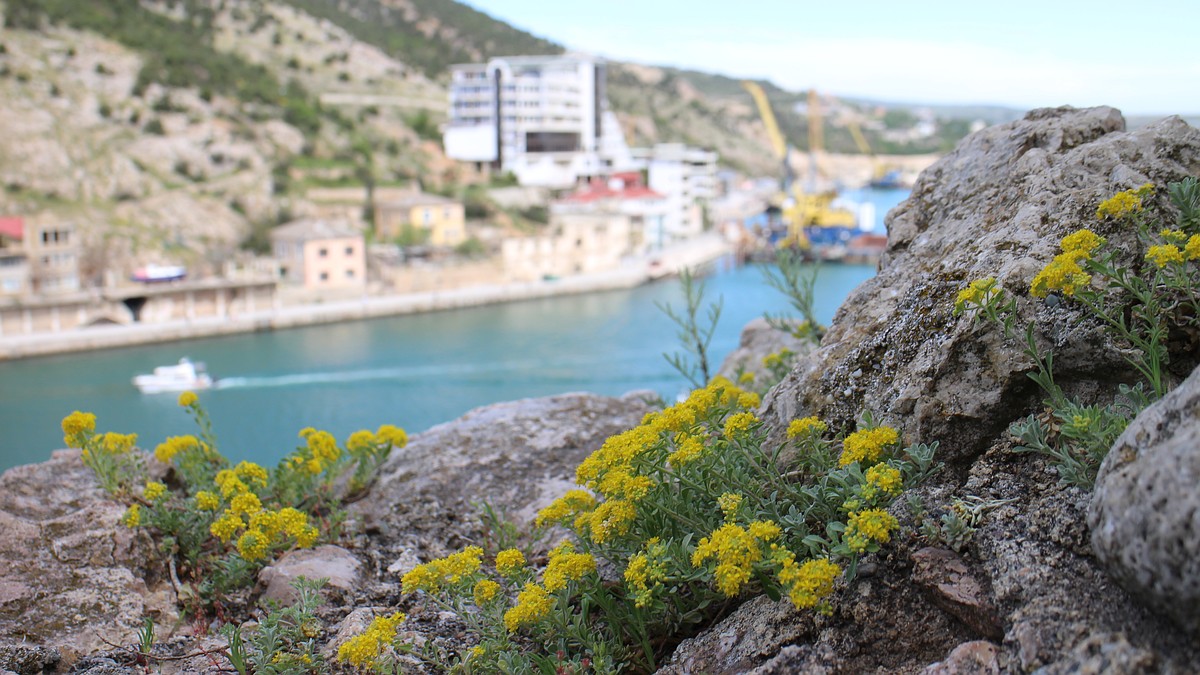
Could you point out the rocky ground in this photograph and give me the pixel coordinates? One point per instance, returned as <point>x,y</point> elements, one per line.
<point>1054,579</point>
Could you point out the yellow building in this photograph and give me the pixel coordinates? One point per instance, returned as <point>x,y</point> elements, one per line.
<point>320,254</point>
<point>421,218</point>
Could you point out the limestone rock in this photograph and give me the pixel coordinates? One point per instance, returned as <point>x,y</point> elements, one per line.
<point>1145,513</point>
<point>956,590</point>
<point>335,564</point>
<point>996,206</point>
<point>71,576</point>
<point>518,456</point>
<point>978,657</point>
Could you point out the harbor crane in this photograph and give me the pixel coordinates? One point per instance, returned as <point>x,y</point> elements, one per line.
<point>801,208</point>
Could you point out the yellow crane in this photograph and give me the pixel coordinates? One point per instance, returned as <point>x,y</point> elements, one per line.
<point>800,208</point>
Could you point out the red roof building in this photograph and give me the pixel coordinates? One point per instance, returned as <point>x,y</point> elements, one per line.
<point>12,227</point>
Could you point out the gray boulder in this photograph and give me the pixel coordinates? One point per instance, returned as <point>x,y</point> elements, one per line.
<point>997,206</point>
<point>516,456</point>
<point>758,341</point>
<point>1145,513</point>
<point>1026,583</point>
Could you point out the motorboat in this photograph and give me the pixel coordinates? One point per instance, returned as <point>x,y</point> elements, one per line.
<point>183,376</point>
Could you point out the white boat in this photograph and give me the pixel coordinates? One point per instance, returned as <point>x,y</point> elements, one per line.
<point>185,376</point>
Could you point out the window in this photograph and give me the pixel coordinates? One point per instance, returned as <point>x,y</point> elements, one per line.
<point>324,252</point>
<point>349,274</point>
<point>349,250</point>
<point>426,216</point>
<point>324,276</point>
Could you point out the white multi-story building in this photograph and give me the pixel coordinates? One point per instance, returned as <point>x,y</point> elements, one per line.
<point>687,176</point>
<point>544,118</point>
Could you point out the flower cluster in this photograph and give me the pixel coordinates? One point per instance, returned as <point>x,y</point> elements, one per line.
<point>565,566</point>
<point>533,604</point>
<point>867,446</point>
<point>1065,273</point>
<point>78,428</point>
<point>866,529</point>
<point>451,570</point>
<point>806,426</point>
<point>809,584</point>
<point>364,649</point>
<point>1124,203</point>
<point>736,551</point>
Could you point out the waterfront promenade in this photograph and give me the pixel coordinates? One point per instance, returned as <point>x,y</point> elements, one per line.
<point>685,255</point>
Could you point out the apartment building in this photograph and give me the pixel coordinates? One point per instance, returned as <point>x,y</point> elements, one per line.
<point>320,254</point>
<point>14,263</point>
<point>440,221</point>
<point>544,118</point>
<point>687,177</point>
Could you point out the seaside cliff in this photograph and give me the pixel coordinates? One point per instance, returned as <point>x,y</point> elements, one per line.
<point>1054,578</point>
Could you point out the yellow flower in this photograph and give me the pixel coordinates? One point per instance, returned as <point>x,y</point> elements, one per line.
<point>485,591</point>
<point>1163,254</point>
<point>1192,248</point>
<point>393,435</point>
<point>810,583</point>
<point>360,440</point>
<point>646,572</point>
<point>509,562</point>
<point>252,545</point>
<point>739,423</point>
<point>307,537</point>
<point>323,446</point>
<point>865,527</point>
<point>806,425</point>
<point>746,378</point>
<point>748,400</point>
<point>1119,205</point>
<point>77,427</point>
<point>207,501</point>
<point>453,569</point>
<point>567,506</point>
<point>610,519</point>
<point>735,551</point>
<point>1062,274</point>
<point>1177,237</point>
<point>620,485</point>
<point>764,530</point>
<point>884,478</point>
<point>1084,241</point>
<point>174,445</point>
<point>226,526</point>
<point>362,650</point>
<point>566,565</point>
<point>246,503</point>
<point>314,466</point>
<point>251,473</point>
<point>688,449</point>
<point>866,446</point>
<point>976,293</point>
<point>533,605</point>
<point>187,399</point>
<point>117,444</point>
<point>154,491</point>
<point>729,503</point>
<point>133,516</point>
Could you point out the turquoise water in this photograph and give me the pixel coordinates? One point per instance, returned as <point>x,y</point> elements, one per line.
<point>414,371</point>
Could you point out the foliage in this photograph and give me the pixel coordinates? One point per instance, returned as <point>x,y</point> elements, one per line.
<point>694,337</point>
<point>284,640</point>
<point>956,527</point>
<point>471,248</point>
<point>1141,304</point>
<point>797,281</point>
<point>692,510</point>
<point>405,36</point>
<point>217,524</point>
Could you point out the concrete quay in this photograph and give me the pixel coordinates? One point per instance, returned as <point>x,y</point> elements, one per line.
<point>687,255</point>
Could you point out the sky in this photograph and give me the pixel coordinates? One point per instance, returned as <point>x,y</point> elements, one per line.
<point>1140,57</point>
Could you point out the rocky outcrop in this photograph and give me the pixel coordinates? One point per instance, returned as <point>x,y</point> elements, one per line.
<point>1145,513</point>
<point>996,206</point>
<point>1026,592</point>
<point>514,457</point>
<point>71,576</point>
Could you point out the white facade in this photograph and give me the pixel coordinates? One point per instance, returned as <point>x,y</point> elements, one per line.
<point>544,118</point>
<point>688,178</point>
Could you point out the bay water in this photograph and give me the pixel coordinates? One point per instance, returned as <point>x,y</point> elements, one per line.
<point>413,371</point>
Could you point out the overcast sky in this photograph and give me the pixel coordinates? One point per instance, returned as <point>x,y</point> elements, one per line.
<point>1142,57</point>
